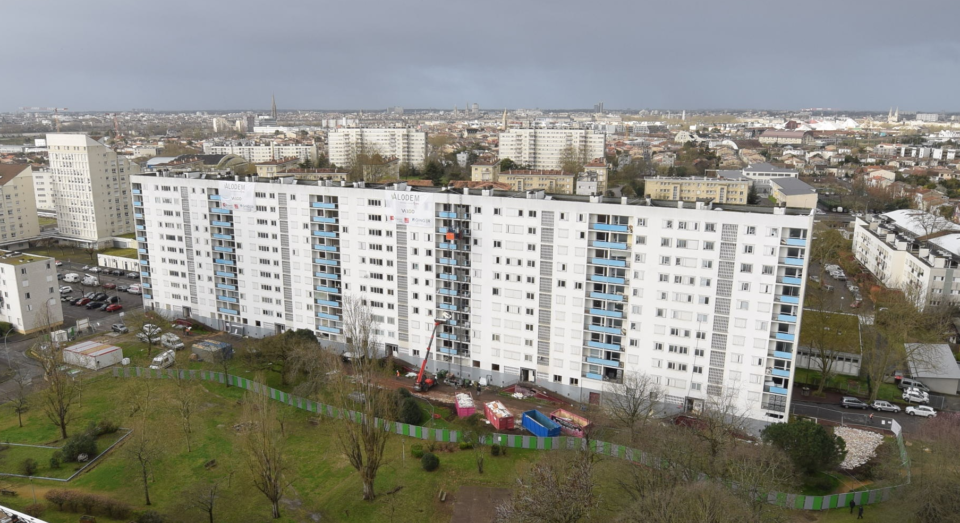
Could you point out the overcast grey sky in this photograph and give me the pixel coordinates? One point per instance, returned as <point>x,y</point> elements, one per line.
<point>217,54</point>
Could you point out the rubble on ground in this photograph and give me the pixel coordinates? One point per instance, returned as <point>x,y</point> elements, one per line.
<point>861,446</point>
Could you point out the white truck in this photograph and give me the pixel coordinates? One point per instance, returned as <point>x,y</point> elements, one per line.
<point>171,341</point>
<point>164,360</point>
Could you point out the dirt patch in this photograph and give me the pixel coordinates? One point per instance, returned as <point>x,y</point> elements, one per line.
<point>477,504</point>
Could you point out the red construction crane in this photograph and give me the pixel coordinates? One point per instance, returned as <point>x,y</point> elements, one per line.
<point>56,112</point>
<point>424,383</point>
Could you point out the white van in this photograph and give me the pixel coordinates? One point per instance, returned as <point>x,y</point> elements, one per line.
<point>164,360</point>
<point>71,277</point>
<point>170,340</point>
<point>907,383</point>
<point>133,289</point>
<point>89,279</point>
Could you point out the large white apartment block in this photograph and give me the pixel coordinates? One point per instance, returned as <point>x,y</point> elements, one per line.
<point>18,207</point>
<point>91,188</point>
<point>569,292</point>
<point>409,146</point>
<point>43,189</point>
<point>29,292</point>
<point>914,251</point>
<point>547,148</point>
<point>255,152</point>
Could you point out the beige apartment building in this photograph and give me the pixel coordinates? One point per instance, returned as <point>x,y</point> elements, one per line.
<point>91,188</point>
<point>551,181</point>
<point>406,145</point>
<point>695,188</point>
<point>29,292</point>
<point>18,206</point>
<point>547,148</point>
<point>485,170</point>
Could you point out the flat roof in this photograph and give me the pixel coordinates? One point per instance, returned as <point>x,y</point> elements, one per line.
<point>934,360</point>
<point>92,348</point>
<point>793,186</point>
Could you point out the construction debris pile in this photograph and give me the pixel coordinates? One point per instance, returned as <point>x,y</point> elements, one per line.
<point>861,446</point>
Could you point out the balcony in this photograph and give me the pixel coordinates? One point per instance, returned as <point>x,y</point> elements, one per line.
<point>223,274</point>
<point>606,363</point>
<point>782,355</point>
<point>138,204</point>
<point>223,236</point>
<point>605,296</point>
<point>451,261</point>
<point>221,210</point>
<point>788,299</point>
<point>592,376</point>
<point>227,311</point>
<point>450,246</point>
<point>226,287</point>
<point>793,261</point>
<point>326,316</point>
<point>608,263</point>
<point>324,261</point>
<point>450,215</point>
<point>326,248</point>
<point>331,330</point>
<point>135,191</point>
<point>323,219</point>
<point>607,279</point>
<point>145,285</point>
<point>448,336</point>
<point>214,197</point>
<point>321,288</point>
<point>144,262</point>
<point>325,234</point>
<point>608,314</point>
<point>785,336</point>
<point>144,274</point>
<point>786,318</point>
<point>222,261</point>
<point>606,330</point>
<point>328,303</point>
<point>323,205</point>
<point>775,390</point>
<point>797,242</point>
<point>609,245</point>
<point>141,228</point>
<point>787,280</point>
<point>451,277</point>
<point>221,224</point>
<point>448,307</point>
<point>608,227</point>
<point>230,299</point>
<point>138,216</point>
<point>141,238</point>
<point>326,275</point>
<point>604,346</point>
<point>780,372</point>
<point>147,296</point>
<point>142,251</point>
<point>220,248</point>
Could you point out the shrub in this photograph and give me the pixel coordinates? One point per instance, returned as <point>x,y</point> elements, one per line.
<point>85,443</point>
<point>55,461</point>
<point>466,445</point>
<point>410,412</point>
<point>495,449</point>
<point>809,445</point>
<point>416,450</point>
<point>29,467</point>
<point>36,509</point>
<point>58,497</point>
<point>106,427</point>
<point>430,462</point>
<point>150,516</point>
<point>404,393</point>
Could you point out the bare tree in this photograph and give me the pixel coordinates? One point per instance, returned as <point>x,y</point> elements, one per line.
<point>700,502</point>
<point>572,159</point>
<point>363,444</point>
<point>146,444</point>
<point>827,246</point>
<point>558,489</point>
<point>824,330</point>
<point>61,395</point>
<point>722,420</point>
<point>185,403</point>
<point>19,398</point>
<point>265,448</point>
<point>314,367</point>
<point>207,497</point>
<point>631,403</point>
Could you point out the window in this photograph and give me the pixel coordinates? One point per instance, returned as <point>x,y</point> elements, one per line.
<point>751,230</point>
<point>710,227</point>
<point>708,246</point>
<point>665,242</point>
<point>748,249</point>
<point>746,267</point>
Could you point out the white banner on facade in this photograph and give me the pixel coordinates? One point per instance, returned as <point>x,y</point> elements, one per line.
<point>238,196</point>
<point>411,208</point>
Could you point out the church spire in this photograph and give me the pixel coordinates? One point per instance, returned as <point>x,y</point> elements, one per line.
<point>273,107</point>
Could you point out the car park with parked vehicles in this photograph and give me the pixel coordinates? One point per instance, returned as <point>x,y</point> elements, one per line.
<point>922,410</point>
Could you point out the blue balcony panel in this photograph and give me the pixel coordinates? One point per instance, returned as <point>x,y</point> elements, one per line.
<point>592,376</point>
<point>448,336</point>
<point>328,303</point>
<point>448,292</point>
<point>326,316</point>
<point>448,307</point>
<point>324,219</point>
<point>326,275</point>
<point>221,261</point>
<point>608,227</point>
<point>797,242</point>
<point>605,296</point>
<point>145,285</point>
<point>604,346</point>
<point>141,238</point>
<point>786,318</point>
<point>138,216</point>
<point>224,274</point>
<point>610,245</point>
<point>793,261</point>
<point>791,281</point>
<point>608,363</point>
<point>606,279</point>
<point>332,330</point>
<point>140,227</point>
<point>214,196</point>
<point>607,330</point>
<point>148,296</point>
<point>452,322</point>
<point>138,204</point>
<point>333,290</point>
<point>323,205</point>
<point>447,351</point>
<point>227,298</point>
<point>608,263</point>
<point>322,261</point>
<point>142,251</point>
<point>450,246</point>
<point>780,372</point>
<point>448,215</point>
<point>451,277</point>
<point>227,311</point>
<point>327,248</point>
<point>776,390</point>
<point>609,314</point>
<point>325,234</point>
<point>222,224</point>
<point>135,191</point>
<point>144,274</point>
<point>221,210</point>
<point>220,248</point>
<point>223,236</point>
<point>226,287</point>
<point>441,230</point>
<point>144,262</point>
<point>789,299</point>
<point>784,336</point>
<point>782,355</point>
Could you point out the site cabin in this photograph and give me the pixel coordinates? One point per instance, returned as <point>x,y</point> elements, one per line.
<point>540,425</point>
<point>465,406</point>
<point>92,355</point>
<point>570,423</point>
<point>498,415</point>
<point>212,351</point>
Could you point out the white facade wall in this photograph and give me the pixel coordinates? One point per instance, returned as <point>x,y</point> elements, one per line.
<point>408,145</point>
<point>91,187</point>
<point>264,152</point>
<point>545,148</point>
<point>689,296</point>
<point>30,292</point>
<point>18,207</point>
<point>43,189</point>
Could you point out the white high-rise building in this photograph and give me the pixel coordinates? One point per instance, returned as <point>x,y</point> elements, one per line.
<point>43,189</point>
<point>18,207</point>
<point>255,152</point>
<point>407,145</point>
<point>547,148</point>
<point>91,188</point>
<point>569,292</point>
<point>30,297</point>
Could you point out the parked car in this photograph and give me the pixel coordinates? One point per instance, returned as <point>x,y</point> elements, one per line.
<point>122,288</point>
<point>849,402</point>
<point>910,383</point>
<point>133,275</point>
<point>109,285</point>
<point>113,299</point>
<point>116,272</point>
<point>119,328</point>
<point>100,296</point>
<point>96,269</point>
<point>164,360</point>
<point>71,277</point>
<point>67,298</point>
<point>884,406</point>
<point>66,289</point>
<point>114,307</point>
<point>922,410</point>
<point>85,268</point>
<point>82,301</point>
<point>90,295</point>
<point>59,276</point>
<point>133,289</point>
<point>94,305</point>
<point>915,396</point>
<point>59,263</point>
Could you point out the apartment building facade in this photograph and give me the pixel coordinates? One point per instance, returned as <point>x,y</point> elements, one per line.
<point>568,292</point>
<point>255,152</point>
<point>409,146</point>
<point>691,189</point>
<point>913,251</point>
<point>91,188</point>
<point>43,189</point>
<point>548,148</point>
<point>18,205</point>
<point>29,292</point>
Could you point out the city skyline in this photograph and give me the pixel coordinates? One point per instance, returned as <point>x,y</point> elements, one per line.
<point>440,55</point>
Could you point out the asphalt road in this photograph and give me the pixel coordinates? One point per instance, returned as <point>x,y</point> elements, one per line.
<point>839,414</point>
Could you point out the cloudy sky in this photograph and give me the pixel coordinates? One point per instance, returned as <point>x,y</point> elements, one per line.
<point>340,54</point>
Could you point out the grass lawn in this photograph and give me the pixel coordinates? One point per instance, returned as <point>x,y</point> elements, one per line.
<point>45,220</point>
<point>323,482</point>
<point>129,236</point>
<point>123,253</point>
<point>848,326</point>
<point>851,384</point>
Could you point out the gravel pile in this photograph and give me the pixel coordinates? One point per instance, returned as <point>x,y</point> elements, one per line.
<point>861,446</point>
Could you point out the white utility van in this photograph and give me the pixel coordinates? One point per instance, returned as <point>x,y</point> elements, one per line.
<point>71,277</point>
<point>164,360</point>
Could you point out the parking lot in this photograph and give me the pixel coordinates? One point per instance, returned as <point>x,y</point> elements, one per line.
<point>99,320</point>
